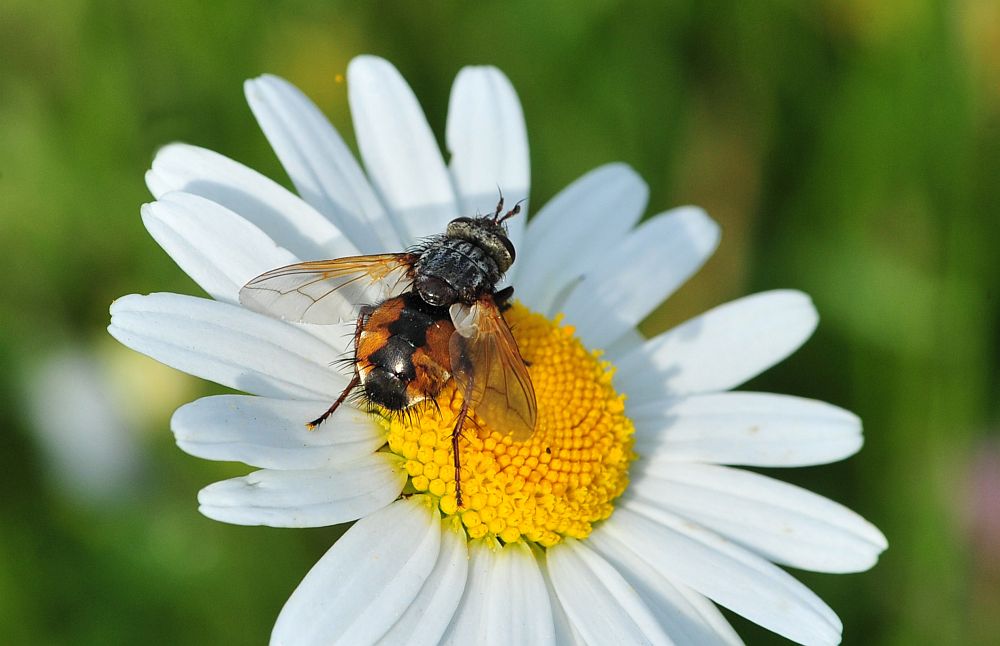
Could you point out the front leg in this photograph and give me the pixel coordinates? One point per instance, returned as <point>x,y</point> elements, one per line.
<point>502,297</point>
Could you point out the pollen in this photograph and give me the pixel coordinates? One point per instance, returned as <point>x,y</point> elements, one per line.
<point>555,484</point>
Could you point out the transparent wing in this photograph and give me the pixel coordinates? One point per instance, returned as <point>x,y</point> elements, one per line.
<point>328,291</point>
<point>488,368</point>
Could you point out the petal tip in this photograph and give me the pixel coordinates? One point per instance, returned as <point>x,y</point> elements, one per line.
<point>368,64</point>
<point>154,183</point>
<point>624,169</point>
<point>123,303</point>
<point>796,301</point>
<point>254,88</point>
<point>171,148</point>
<point>487,72</point>
<point>699,219</point>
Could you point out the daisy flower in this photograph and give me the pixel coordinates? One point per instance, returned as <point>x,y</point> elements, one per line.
<point>621,520</point>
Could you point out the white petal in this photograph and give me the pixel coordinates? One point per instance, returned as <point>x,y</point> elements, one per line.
<point>781,522</point>
<point>488,142</point>
<point>754,429</point>
<point>566,634</point>
<point>729,575</point>
<point>581,223</point>
<point>603,607</point>
<point>685,615</point>
<point>427,617</point>
<point>625,283</point>
<point>631,339</point>
<point>228,345</point>
<point>271,433</point>
<point>719,349</point>
<point>217,248</point>
<point>311,498</point>
<point>709,612</point>
<point>523,616</point>
<point>280,214</point>
<point>320,164</point>
<point>366,581</point>
<point>399,149</point>
<point>505,600</point>
<point>468,626</point>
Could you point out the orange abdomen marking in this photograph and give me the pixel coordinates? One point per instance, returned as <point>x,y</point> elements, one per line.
<point>402,352</point>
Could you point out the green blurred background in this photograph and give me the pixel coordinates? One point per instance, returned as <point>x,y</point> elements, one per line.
<point>850,149</point>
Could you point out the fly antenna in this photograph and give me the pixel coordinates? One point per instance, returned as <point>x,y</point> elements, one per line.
<point>499,209</point>
<point>514,211</point>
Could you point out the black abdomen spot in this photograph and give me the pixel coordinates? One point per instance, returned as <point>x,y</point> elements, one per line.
<point>414,319</point>
<point>386,389</point>
<point>396,358</point>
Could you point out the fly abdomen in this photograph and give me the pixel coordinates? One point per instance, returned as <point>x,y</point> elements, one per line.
<point>397,366</point>
<point>385,389</point>
<point>391,372</point>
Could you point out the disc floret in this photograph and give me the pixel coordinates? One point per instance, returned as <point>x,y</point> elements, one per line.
<point>556,484</point>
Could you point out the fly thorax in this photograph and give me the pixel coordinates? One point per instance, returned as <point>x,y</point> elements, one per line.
<point>455,270</point>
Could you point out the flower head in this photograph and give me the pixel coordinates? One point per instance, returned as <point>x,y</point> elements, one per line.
<point>616,521</point>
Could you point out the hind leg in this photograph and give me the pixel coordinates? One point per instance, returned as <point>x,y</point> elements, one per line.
<point>355,380</point>
<point>363,315</point>
<point>455,434</point>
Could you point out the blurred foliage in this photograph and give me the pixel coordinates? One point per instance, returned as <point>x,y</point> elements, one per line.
<point>848,148</point>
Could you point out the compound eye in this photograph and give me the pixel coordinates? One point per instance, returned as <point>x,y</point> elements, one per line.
<point>461,219</point>
<point>509,246</point>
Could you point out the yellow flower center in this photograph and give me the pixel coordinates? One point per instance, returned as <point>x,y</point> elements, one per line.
<point>557,483</point>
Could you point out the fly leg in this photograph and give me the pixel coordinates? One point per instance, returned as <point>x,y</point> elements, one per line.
<point>455,434</point>
<point>355,380</point>
<point>366,311</point>
<point>502,298</point>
